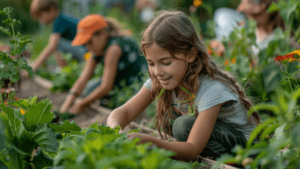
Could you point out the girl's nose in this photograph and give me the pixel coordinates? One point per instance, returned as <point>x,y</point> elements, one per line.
<point>158,71</point>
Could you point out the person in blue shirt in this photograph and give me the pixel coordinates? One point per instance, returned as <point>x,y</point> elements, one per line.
<point>64,31</point>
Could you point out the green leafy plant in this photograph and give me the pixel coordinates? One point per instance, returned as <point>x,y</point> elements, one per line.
<point>11,62</point>
<point>275,142</point>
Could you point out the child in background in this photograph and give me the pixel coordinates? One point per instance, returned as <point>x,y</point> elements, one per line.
<point>64,31</point>
<point>120,54</point>
<point>183,76</point>
<point>226,19</point>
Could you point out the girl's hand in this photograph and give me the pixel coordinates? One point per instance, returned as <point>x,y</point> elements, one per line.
<point>24,74</point>
<point>78,108</point>
<point>144,138</point>
<point>69,100</point>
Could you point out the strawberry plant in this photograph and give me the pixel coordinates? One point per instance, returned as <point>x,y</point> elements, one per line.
<point>32,141</point>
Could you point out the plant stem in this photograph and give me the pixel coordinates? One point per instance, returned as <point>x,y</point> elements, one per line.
<point>289,79</point>
<point>14,35</point>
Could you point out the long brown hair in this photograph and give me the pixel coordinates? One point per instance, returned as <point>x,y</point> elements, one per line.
<point>174,32</point>
<point>274,17</point>
<point>38,6</point>
<point>113,28</point>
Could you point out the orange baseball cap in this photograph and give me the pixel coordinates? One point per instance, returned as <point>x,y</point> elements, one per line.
<point>86,27</point>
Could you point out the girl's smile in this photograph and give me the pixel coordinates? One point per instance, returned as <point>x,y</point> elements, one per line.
<point>168,70</point>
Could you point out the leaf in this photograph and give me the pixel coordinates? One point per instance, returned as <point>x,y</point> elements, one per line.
<point>95,141</point>
<point>38,114</point>
<point>16,159</point>
<point>257,130</point>
<point>41,161</point>
<point>270,129</point>
<point>46,139</point>
<point>296,136</point>
<point>15,123</point>
<point>135,131</point>
<point>2,137</point>
<point>273,8</point>
<point>5,30</point>
<point>279,132</point>
<point>32,100</point>
<point>65,127</point>
<point>160,93</point>
<point>185,90</point>
<point>263,106</point>
<point>271,76</point>
<point>191,110</point>
<point>7,10</point>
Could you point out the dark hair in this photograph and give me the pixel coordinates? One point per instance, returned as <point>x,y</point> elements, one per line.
<point>175,32</point>
<point>38,6</point>
<point>111,28</point>
<point>275,17</point>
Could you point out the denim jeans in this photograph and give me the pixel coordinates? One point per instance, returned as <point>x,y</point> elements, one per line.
<point>226,20</point>
<point>223,138</point>
<point>77,52</point>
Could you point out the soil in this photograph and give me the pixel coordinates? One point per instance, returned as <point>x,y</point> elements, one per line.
<point>30,88</point>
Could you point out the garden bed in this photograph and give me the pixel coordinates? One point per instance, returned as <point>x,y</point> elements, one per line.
<point>39,87</point>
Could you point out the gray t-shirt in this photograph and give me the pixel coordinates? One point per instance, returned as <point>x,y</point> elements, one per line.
<point>211,93</point>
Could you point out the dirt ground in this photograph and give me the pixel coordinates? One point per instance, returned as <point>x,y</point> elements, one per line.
<point>30,88</point>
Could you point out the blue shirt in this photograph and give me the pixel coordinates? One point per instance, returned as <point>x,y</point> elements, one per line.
<point>66,26</point>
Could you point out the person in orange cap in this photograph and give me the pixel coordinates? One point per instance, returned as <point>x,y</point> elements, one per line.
<point>63,32</point>
<point>120,55</point>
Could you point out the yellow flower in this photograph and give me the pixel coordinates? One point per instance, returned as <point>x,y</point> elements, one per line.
<point>233,60</point>
<point>226,63</point>
<point>197,3</point>
<point>22,111</point>
<point>87,56</point>
<point>292,59</point>
<point>295,52</point>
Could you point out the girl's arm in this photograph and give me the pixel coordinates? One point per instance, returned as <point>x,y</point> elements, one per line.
<point>47,51</point>
<point>198,137</point>
<point>111,60</point>
<point>130,110</point>
<point>79,84</point>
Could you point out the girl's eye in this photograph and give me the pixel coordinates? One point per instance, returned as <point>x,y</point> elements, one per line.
<point>167,63</point>
<point>151,64</point>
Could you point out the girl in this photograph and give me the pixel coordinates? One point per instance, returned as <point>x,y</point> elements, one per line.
<point>179,63</point>
<point>226,19</point>
<point>120,54</point>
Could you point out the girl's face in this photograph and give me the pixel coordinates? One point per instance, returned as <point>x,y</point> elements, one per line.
<point>250,7</point>
<point>168,70</point>
<point>97,42</point>
<point>46,17</point>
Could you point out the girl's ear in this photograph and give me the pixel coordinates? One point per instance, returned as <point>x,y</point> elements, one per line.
<point>192,56</point>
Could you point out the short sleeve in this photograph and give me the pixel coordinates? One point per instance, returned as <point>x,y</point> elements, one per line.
<point>59,25</point>
<point>213,95</point>
<point>148,84</point>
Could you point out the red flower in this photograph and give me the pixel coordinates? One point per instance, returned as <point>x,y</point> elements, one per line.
<point>5,102</point>
<point>288,56</point>
<point>16,99</point>
<point>192,97</point>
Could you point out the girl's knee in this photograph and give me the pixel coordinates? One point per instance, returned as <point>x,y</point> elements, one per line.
<point>182,127</point>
